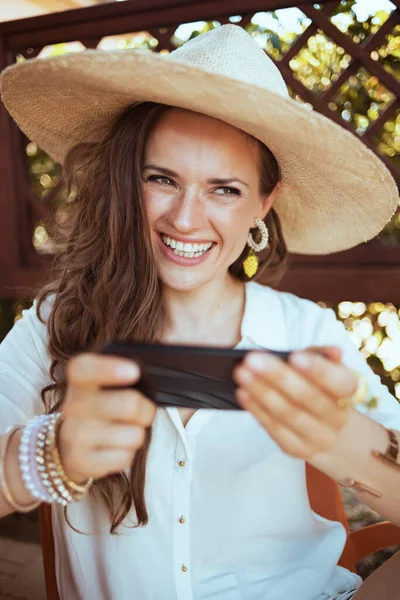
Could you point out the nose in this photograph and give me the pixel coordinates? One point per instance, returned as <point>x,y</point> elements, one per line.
<point>187,213</point>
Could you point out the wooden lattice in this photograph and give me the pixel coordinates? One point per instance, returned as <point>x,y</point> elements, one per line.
<point>21,208</point>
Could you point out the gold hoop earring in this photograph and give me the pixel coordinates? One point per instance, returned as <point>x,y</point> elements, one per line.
<point>250,264</point>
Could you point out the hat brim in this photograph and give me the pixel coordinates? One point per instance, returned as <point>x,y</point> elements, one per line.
<point>335,192</point>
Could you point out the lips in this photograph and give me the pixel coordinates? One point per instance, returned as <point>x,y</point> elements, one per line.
<point>186,249</point>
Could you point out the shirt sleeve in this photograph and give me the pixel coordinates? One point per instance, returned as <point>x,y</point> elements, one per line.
<point>332,332</point>
<point>24,369</point>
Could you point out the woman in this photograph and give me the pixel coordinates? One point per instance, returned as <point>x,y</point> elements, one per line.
<point>171,174</point>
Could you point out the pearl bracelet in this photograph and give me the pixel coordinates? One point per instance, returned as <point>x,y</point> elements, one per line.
<point>42,461</point>
<point>22,508</point>
<point>41,468</point>
<point>27,458</point>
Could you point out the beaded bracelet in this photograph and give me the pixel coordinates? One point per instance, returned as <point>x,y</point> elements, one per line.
<point>71,488</point>
<point>27,458</point>
<point>42,461</point>
<point>21,508</point>
<point>81,489</point>
<point>61,489</point>
<point>51,466</point>
<point>41,467</point>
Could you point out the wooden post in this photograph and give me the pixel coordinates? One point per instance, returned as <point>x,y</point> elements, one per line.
<point>9,246</point>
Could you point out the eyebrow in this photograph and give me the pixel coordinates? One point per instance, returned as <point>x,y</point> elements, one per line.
<point>216,181</point>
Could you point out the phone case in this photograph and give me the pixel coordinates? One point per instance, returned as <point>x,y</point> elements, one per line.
<point>185,376</point>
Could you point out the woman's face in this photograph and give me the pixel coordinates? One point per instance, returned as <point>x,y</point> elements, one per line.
<point>201,188</point>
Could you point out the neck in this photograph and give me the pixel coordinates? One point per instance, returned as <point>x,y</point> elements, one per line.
<point>210,315</point>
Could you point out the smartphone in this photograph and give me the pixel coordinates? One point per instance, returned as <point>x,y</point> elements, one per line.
<point>185,376</point>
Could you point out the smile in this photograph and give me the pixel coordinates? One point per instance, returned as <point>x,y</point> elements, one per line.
<point>186,250</point>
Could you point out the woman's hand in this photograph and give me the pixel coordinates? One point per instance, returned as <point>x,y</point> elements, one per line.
<point>297,401</point>
<point>101,429</point>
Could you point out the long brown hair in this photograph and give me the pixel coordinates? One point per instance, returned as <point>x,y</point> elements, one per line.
<point>104,281</point>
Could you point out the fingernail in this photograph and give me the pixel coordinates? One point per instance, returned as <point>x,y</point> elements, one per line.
<point>301,361</point>
<point>260,362</point>
<point>242,396</point>
<point>244,375</point>
<point>127,371</point>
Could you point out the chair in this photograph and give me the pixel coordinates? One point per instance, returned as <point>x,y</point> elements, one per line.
<point>325,500</point>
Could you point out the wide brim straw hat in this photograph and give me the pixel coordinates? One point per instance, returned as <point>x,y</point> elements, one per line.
<point>335,193</point>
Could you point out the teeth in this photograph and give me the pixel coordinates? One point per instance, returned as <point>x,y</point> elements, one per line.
<point>187,250</point>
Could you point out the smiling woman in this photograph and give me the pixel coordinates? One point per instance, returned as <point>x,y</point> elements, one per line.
<point>171,189</point>
<point>204,197</point>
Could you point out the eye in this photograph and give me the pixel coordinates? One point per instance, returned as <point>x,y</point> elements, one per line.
<point>228,191</point>
<point>161,179</point>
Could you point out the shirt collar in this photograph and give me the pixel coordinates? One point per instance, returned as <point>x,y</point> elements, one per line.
<point>263,323</point>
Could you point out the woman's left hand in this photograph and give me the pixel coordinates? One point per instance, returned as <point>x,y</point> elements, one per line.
<point>297,402</point>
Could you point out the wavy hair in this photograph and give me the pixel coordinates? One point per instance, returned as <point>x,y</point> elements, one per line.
<point>104,283</point>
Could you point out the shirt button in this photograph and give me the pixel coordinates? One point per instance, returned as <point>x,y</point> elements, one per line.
<point>182,520</point>
<point>181,463</point>
<point>184,568</point>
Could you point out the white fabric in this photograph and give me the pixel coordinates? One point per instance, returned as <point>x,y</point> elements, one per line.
<point>249,532</point>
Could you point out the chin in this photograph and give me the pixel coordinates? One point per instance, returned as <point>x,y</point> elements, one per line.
<point>182,281</point>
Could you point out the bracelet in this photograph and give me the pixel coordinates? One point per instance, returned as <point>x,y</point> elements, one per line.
<point>80,489</point>
<point>43,464</point>
<point>77,490</point>
<point>61,489</point>
<point>22,508</point>
<point>390,457</point>
<point>27,458</point>
<point>37,467</point>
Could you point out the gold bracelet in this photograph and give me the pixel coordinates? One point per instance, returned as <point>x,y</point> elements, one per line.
<point>75,490</point>
<point>391,456</point>
<point>80,489</point>
<point>64,496</point>
<point>21,508</point>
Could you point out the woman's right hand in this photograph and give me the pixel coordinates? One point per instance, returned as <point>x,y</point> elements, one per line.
<point>102,429</point>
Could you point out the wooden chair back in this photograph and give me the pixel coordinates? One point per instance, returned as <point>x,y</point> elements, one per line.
<point>326,500</point>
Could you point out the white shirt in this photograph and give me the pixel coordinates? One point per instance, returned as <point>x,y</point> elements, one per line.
<point>247,532</point>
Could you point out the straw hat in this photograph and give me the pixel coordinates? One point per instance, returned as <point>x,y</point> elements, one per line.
<point>335,192</point>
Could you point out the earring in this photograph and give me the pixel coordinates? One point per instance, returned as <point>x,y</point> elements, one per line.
<point>264,237</point>
<point>250,264</point>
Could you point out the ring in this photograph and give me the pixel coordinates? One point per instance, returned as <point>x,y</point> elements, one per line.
<point>359,395</point>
